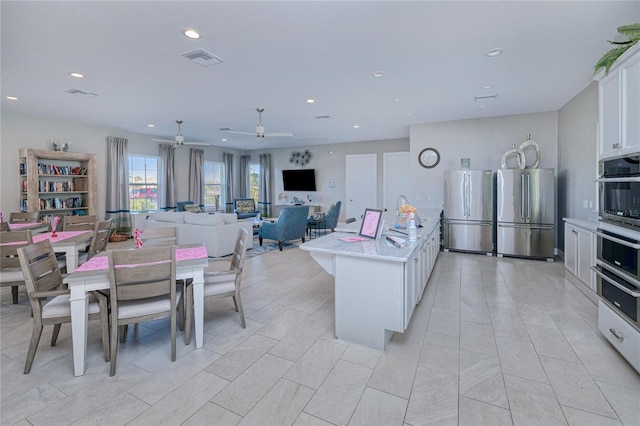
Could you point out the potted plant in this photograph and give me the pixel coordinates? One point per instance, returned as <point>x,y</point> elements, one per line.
<point>630,35</point>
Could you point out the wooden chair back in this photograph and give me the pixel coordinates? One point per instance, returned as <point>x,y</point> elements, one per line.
<point>79,223</point>
<point>10,242</point>
<point>240,250</point>
<point>142,273</point>
<point>100,238</point>
<point>42,275</point>
<point>160,237</point>
<point>4,226</point>
<point>23,217</point>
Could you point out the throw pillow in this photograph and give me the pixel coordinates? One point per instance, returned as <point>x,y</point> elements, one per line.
<point>193,208</point>
<point>245,206</point>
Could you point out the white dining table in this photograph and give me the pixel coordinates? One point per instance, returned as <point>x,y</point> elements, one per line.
<point>191,260</point>
<point>67,242</point>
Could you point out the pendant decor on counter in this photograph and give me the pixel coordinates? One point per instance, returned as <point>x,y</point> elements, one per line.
<point>532,146</point>
<point>518,154</point>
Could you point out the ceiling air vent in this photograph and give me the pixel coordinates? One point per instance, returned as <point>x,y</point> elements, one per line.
<point>486,98</point>
<point>202,57</point>
<point>324,117</point>
<point>81,93</point>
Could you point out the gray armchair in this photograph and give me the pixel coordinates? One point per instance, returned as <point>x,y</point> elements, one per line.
<point>291,225</point>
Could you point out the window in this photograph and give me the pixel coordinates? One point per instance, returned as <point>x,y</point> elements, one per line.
<point>213,182</point>
<point>143,183</point>
<point>254,181</point>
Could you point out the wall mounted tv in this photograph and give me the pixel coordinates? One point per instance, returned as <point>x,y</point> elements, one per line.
<point>299,180</point>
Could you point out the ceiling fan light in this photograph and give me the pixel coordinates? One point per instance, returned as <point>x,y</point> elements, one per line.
<point>191,33</point>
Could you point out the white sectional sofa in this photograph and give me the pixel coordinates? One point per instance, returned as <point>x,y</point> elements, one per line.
<point>218,232</point>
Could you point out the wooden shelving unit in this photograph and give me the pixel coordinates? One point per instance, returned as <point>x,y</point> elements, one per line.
<point>58,183</point>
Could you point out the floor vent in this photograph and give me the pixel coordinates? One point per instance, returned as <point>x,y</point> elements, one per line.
<point>202,57</point>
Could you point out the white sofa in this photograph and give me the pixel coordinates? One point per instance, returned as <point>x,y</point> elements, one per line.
<point>218,232</point>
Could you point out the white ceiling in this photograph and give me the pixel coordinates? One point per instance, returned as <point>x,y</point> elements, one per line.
<point>278,54</point>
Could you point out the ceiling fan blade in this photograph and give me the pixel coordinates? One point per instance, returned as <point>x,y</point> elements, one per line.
<point>163,140</point>
<point>278,134</point>
<point>235,132</point>
<point>197,143</point>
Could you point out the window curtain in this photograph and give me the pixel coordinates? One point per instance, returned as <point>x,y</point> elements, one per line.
<point>245,166</point>
<point>227,159</point>
<point>118,185</point>
<point>266,185</point>
<point>169,187</point>
<point>196,176</point>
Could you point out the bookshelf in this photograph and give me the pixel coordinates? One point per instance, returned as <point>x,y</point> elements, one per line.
<point>58,183</point>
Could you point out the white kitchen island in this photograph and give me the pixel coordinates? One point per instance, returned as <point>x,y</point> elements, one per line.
<point>377,285</point>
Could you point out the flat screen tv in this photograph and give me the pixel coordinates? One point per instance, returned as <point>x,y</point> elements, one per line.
<point>299,180</point>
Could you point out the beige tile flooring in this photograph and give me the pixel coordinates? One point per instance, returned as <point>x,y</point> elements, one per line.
<point>493,341</point>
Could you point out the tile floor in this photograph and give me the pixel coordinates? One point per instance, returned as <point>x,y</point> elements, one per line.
<point>493,341</point>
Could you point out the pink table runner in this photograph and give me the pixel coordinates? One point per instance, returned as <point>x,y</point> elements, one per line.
<point>102,262</point>
<point>15,226</point>
<point>63,235</point>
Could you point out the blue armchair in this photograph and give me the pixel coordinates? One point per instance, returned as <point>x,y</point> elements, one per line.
<point>328,220</point>
<point>291,225</point>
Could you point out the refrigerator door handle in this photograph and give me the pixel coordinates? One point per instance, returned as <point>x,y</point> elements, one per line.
<point>524,225</point>
<point>522,196</point>
<point>466,194</point>
<point>528,197</point>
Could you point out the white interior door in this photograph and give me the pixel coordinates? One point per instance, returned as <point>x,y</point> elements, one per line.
<point>361,185</point>
<point>395,182</point>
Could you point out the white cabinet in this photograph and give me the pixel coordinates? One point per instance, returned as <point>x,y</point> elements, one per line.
<point>580,253</point>
<point>619,107</point>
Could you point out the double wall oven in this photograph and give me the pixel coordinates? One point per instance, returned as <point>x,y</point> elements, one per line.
<point>618,264</point>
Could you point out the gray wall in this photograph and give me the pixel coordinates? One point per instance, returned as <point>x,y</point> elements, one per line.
<point>577,157</point>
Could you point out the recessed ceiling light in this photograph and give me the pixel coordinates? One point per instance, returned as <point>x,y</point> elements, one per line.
<point>356,126</point>
<point>378,74</point>
<point>224,139</point>
<point>76,75</point>
<point>151,125</point>
<point>397,99</point>
<point>12,98</point>
<point>310,101</point>
<point>493,52</point>
<point>482,106</point>
<point>487,86</point>
<point>191,33</point>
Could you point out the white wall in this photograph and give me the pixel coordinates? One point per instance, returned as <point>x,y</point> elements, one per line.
<point>483,140</point>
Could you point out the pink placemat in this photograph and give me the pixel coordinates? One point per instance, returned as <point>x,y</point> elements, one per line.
<point>63,235</point>
<point>14,226</point>
<point>102,262</point>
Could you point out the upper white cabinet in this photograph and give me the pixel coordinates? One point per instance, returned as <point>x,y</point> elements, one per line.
<point>619,106</point>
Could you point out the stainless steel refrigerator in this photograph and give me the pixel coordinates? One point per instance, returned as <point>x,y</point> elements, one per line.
<point>525,213</point>
<point>468,210</point>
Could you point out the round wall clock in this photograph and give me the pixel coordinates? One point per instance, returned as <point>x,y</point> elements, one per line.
<point>429,158</point>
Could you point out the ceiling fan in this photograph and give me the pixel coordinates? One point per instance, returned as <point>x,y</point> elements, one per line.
<point>179,139</point>
<point>260,133</point>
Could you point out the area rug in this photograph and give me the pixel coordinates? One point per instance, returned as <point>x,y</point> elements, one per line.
<point>267,246</point>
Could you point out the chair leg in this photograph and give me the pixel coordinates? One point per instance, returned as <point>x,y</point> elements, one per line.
<point>114,345</point>
<point>238,299</point>
<point>123,332</point>
<point>14,294</point>
<point>260,241</point>
<point>280,245</point>
<point>180,309</point>
<point>54,336</point>
<point>173,336</point>
<point>235,303</point>
<point>33,346</point>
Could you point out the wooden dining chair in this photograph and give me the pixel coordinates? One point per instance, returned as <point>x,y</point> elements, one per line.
<point>79,223</point>
<point>4,227</point>
<point>23,217</point>
<point>99,241</point>
<point>160,237</point>
<point>10,271</point>
<point>143,288</point>
<point>43,281</point>
<point>222,283</point>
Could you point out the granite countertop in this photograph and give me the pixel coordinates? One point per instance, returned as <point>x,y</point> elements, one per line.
<point>591,225</point>
<point>376,249</point>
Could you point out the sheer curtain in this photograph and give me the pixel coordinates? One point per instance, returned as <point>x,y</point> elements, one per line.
<point>169,192</point>
<point>245,165</point>
<point>228,181</point>
<point>266,185</point>
<point>196,176</point>
<point>118,185</point>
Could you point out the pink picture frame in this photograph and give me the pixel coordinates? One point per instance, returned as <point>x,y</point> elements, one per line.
<point>371,223</point>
